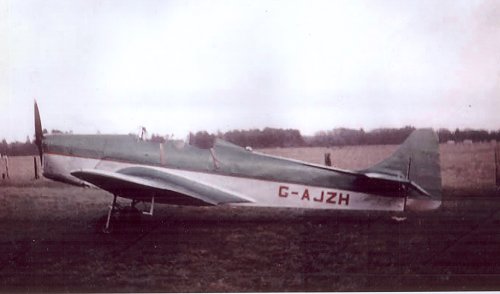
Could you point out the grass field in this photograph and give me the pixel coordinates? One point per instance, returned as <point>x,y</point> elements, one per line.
<point>48,240</point>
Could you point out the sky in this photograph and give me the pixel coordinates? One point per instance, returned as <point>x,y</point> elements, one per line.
<point>180,66</point>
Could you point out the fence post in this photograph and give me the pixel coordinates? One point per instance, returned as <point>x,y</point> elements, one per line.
<point>497,170</point>
<point>7,166</point>
<point>328,161</point>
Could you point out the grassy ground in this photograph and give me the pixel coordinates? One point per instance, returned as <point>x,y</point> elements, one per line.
<point>48,240</point>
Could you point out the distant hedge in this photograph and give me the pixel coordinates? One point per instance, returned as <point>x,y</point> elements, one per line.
<point>273,137</point>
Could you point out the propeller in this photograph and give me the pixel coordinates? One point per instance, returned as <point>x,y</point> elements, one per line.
<point>38,132</point>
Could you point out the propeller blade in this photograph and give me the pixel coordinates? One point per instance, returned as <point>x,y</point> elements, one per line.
<point>38,132</point>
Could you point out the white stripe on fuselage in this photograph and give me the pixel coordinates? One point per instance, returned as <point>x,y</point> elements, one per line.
<point>282,194</point>
<point>265,193</point>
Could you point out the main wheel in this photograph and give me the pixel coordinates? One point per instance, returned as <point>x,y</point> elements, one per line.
<point>100,226</point>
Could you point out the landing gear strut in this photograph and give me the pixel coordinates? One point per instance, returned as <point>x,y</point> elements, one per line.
<point>125,215</point>
<point>112,208</point>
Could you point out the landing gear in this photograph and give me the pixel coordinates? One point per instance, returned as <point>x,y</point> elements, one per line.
<point>112,209</point>
<point>124,216</point>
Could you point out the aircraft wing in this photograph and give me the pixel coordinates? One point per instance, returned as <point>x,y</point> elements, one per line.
<point>142,183</point>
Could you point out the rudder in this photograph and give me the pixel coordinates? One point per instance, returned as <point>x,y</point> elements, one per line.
<point>416,159</point>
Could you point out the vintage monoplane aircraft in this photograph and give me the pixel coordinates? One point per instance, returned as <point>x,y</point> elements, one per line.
<point>227,174</point>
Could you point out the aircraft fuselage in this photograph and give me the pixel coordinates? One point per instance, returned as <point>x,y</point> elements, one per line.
<point>265,180</point>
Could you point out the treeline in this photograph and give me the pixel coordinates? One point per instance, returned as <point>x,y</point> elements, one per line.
<point>268,137</point>
<point>23,148</point>
<point>467,134</point>
<point>18,148</point>
<point>344,136</point>
<point>272,137</point>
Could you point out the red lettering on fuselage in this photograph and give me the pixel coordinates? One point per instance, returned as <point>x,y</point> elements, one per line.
<point>344,199</point>
<point>325,196</point>
<point>305,195</point>
<point>283,191</point>
<point>331,198</point>
<point>320,199</point>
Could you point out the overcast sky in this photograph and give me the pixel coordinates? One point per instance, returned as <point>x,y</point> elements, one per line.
<point>176,66</point>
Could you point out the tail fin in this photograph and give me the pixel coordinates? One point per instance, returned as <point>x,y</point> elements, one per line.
<point>417,159</point>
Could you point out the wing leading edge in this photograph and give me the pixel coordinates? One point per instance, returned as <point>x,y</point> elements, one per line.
<point>142,182</point>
